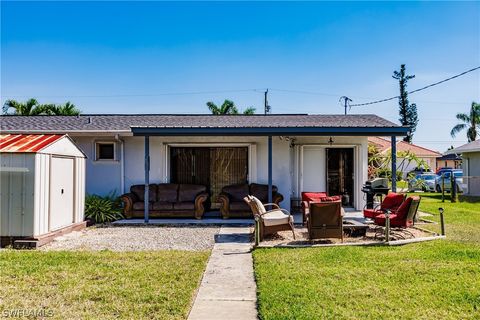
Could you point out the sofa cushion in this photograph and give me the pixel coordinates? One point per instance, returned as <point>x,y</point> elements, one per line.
<point>236,191</point>
<point>139,191</point>
<point>162,205</point>
<point>141,206</point>
<point>184,206</point>
<point>261,191</point>
<point>188,192</point>
<point>239,206</point>
<point>167,192</point>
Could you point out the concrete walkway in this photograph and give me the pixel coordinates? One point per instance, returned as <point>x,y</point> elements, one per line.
<point>228,289</point>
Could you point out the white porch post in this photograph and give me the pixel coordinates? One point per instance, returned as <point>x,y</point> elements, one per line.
<point>394,164</point>
<point>147,178</point>
<point>270,198</point>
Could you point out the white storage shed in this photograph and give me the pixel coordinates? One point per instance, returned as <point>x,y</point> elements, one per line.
<point>42,190</point>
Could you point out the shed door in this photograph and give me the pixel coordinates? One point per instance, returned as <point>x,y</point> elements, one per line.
<point>61,192</point>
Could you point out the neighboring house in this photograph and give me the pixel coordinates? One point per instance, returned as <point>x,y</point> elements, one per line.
<point>449,160</point>
<point>295,152</point>
<point>470,154</point>
<point>427,155</point>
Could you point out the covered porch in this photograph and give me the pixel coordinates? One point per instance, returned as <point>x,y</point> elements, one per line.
<point>303,139</point>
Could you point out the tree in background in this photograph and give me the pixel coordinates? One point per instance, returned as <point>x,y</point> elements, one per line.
<point>407,111</point>
<point>471,122</point>
<point>31,107</point>
<point>67,109</point>
<point>228,107</point>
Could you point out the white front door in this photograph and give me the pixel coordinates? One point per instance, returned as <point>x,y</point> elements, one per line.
<point>313,169</point>
<point>61,192</point>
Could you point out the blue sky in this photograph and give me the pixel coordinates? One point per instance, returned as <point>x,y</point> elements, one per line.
<point>126,57</point>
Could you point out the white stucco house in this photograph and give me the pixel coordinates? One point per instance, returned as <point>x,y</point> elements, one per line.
<point>295,152</point>
<point>470,154</point>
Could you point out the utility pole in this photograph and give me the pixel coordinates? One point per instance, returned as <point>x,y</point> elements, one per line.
<point>267,107</point>
<point>346,100</point>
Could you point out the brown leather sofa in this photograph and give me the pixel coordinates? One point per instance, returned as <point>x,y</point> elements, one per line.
<point>166,200</point>
<point>233,205</point>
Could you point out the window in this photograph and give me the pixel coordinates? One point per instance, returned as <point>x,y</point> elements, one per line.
<point>105,151</point>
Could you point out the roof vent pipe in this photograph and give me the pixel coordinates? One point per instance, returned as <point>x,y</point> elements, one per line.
<point>89,120</point>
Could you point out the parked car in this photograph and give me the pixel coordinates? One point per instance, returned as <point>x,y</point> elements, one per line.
<point>423,182</point>
<point>440,170</point>
<point>418,171</point>
<point>457,173</point>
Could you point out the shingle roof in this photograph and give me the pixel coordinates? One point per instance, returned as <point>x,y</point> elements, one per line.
<point>123,122</point>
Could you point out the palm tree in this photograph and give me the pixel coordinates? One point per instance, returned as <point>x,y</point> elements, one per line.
<point>228,107</point>
<point>471,122</point>
<point>30,107</point>
<point>67,109</point>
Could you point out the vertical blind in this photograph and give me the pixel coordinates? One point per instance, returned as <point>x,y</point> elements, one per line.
<point>214,167</point>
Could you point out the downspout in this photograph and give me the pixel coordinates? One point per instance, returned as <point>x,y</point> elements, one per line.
<point>122,163</point>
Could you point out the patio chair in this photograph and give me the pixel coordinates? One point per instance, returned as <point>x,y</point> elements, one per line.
<point>404,216</point>
<point>391,202</point>
<point>271,221</point>
<point>310,197</point>
<point>325,220</point>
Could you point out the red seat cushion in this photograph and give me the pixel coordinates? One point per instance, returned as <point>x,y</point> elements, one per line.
<point>398,218</point>
<point>402,211</point>
<point>330,199</point>
<point>380,219</point>
<point>313,196</point>
<point>392,201</point>
<point>371,213</point>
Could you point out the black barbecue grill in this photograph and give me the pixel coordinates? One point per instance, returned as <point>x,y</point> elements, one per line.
<point>374,188</point>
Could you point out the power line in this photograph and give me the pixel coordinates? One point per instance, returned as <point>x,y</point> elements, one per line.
<point>145,95</point>
<point>416,90</point>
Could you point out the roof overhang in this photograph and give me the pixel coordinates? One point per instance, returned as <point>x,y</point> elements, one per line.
<point>270,131</point>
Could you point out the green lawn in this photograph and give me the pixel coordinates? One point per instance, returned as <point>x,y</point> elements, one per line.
<point>431,280</point>
<point>462,219</point>
<point>101,285</point>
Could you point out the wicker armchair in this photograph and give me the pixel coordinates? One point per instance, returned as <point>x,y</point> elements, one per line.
<point>272,221</point>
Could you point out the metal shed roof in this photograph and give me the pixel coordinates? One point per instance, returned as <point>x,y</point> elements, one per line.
<point>30,143</point>
<point>40,143</point>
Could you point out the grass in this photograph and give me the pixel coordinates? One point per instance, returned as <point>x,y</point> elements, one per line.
<point>429,280</point>
<point>101,285</point>
<point>462,219</point>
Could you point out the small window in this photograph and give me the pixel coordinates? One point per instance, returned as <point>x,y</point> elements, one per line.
<point>105,151</point>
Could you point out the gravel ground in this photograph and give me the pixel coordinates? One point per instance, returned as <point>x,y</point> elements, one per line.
<point>137,238</point>
<point>301,234</point>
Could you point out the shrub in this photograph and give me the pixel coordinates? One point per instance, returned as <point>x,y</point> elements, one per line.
<point>103,209</point>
